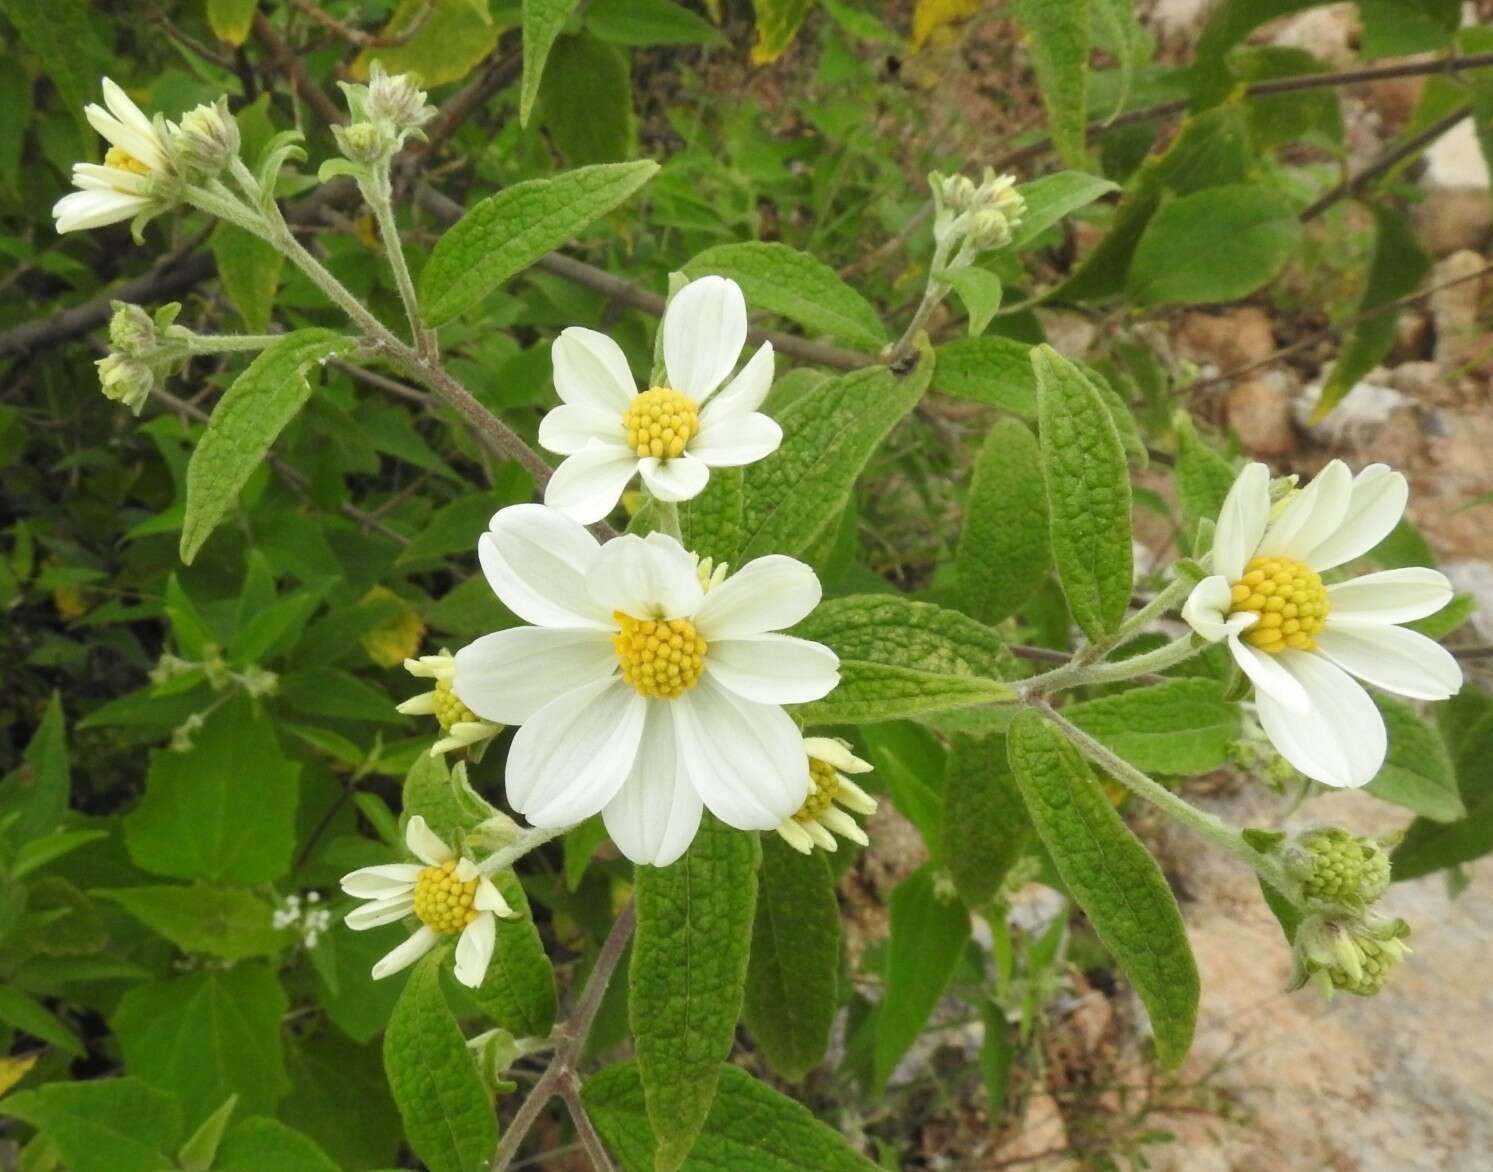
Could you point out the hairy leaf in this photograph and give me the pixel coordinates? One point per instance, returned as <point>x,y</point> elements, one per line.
<point>1179,727</point>
<point>1052,197</point>
<point>542,22</point>
<point>1058,40</point>
<point>1004,548</point>
<point>985,827</point>
<point>518,992</point>
<point>995,371</point>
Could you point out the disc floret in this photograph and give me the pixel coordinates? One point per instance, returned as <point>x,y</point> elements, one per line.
<point>1289,599</point>
<point>659,423</point>
<point>661,658</point>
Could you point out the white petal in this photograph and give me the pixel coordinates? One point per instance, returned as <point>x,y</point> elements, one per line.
<point>92,177</point>
<point>655,814</point>
<point>1313,515</point>
<point>536,560</point>
<point>1375,506</point>
<point>1392,658</point>
<point>474,950</point>
<point>588,485</point>
<point>1340,740</point>
<point>571,757</point>
<point>380,912</point>
<point>81,210</point>
<point>1207,608</point>
<point>381,882</point>
<point>425,844</point>
<point>744,393</point>
<point>509,675</point>
<point>705,327</point>
<point>421,705</point>
<point>1241,521</point>
<point>767,594</point>
<point>795,836</point>
<point>835,753</point>
<point>736,440</point>
<point>1265,671</point>
<point>139,145</point>
<point>650,577</point>
<point>774,669</point>
<point>490,899</point>
<point>570,427</point>
<point>1391,596</point>
<point>123,107</point>
<point>407,953</point>
<point>745,760</point>
<point>591,371</point>
<point>681,478</point>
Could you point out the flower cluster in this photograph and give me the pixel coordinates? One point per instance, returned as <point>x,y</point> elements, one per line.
<point>309,917</point>
<point>385,112</point>
<point>981,216</point>
<point>144,352</point>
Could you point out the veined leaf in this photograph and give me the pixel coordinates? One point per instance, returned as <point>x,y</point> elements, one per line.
<point>711,524</point>
<point>1179,727</point>
<point>1417,772</point>
<point>518,992</point>
<point>649,22</point>
<point>36,794</point>
<point>985,827</point>
<point>228,922</point>
<point>103,1125</point>
<point>250,271</point>
<point>996,371</point>
<point>1203,481</point>
<point>542,21</point>
<point>1058,40</point>
<point>1004,548</point>
<point>267,1145</point>
<point>1467,725</point>
<point>1052,197</point>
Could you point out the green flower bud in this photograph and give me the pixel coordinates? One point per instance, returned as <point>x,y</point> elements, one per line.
<point>1338,868</point>
<point>365,142</point>
<point>132,331</point>
<point>207,138</point>
<point>126,380</point>
<point>1354,954</point>
<point>396,100</point>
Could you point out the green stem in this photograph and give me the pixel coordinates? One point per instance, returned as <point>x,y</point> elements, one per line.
<point>519,847</point>
<point>666,518</point>
<point>378,196</point>
<point>1171,594</point>
<point>221,343</point>
<point>1074,675</point>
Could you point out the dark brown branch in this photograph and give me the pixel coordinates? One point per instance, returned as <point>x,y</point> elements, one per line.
<point>1386,162</point>
<point>356,36</point>
<point>289,63</point>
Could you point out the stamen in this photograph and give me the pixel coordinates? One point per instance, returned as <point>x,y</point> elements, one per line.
<point>824,785</point>
<point>124,161</point>
<point>1290,600</point>
<point>659,422</point>
<point>448,709</point>
<point>662,658</point>
<point>443,901</point>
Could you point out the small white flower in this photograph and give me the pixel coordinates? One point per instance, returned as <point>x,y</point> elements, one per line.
<point>829,760</point>
<point>124,186</point>
<point>671,435</point>
<point>448,895</point>
<point>1298,640</point>
<point>462,726</point>
<point>640,694</point>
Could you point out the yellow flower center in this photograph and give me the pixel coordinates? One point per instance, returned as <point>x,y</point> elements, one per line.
<point>124,161</point>
<point>448,709</point>
<point>659,422</point>
<point>444,902</point>
<point>1290,600</point>
<point>662,658</point>
<point>821,797</point>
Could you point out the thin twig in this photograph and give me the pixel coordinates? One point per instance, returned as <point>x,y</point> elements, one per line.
<point>570,1093</point>
<point>289,63</point>
<point>500,69</point>
<point>356,36</point>
<point>1386,162</point>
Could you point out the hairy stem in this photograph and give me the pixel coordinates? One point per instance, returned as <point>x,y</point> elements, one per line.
<point>1076,674</point>
<point>666,518</point>
<point>522,845</point>
<point>379,197</point>
<point>224,343</point>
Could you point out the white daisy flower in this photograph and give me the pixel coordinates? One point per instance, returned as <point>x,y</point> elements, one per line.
<point>124,186</point>
<point>830,759</point>
<point>1298,640</point>
<point>447,894</point>
<point>639,693</point>
<point>671,435</point>
<point>462,726</point>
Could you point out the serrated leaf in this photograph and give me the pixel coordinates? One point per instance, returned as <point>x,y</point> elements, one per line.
<point>828,436</point>
<point>448,1120</point>
<point>1112,876</point>
<point>265,1145</point>
<point>1179,727</point>
<point>1417,772</point>
<point>244,425</point>
<point>250,271</point>
<point>1052,197</point>
<point>231,20</point>
<point>1466,722</point>
<point>103,1125</point>
<point>452,38</point>
<point>1058,41</point>
<point>34,796</point>
<point>1203,481</point>
<point>507,232</point>
<point>688,973</point>
<point>229,922</point>
<point>777,25</point>
<point>1088,494</point>
<point>996,371</point>
<point>1004,547</point>
<point>929,930</point>
<point>1219,244</point>
<point>795,285</point>
<point>208,1035</point>
<point>225,810</point>
<point>793,978</point>
<point>751,1128</point>
<point>542,21</point>
<point>899,658</point>
<point>518,991</point>
<point>985,827</point>
<point>586,102</point>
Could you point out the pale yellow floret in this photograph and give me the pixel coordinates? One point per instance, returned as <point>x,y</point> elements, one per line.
<point>661,658</point>
<point>124,161</point>
<point>1288,597</point>
<point>660,422</point>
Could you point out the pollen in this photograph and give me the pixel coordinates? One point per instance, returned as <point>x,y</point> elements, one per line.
<point>824,784</point>
<point>660,422</point>
<point>444,902</point>
<point>662,658</point>
<point>448,709</point>
<point>1290,600</point>
<point>124,161</point>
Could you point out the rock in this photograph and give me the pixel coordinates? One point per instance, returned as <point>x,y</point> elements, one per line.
<point>1229,340</point>
<point>1474,578</point>
<point>1425,382</point>
<point>1361,416</point>
<point>1330,34</point>
<point>1412,333</point>
<point>1259,410</point>
<point>1070,334</point>
<point>1175,19</point>
<point>1455,160</point>
<point>1454,310</point>
<point>1449,219</point>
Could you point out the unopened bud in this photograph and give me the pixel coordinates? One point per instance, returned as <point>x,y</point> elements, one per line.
<point>1354,954</point>
<point>207,137</point>
<point>1337,868</point>
<point>364,142</point>
<point>396,99</point>
<point>125,380</point>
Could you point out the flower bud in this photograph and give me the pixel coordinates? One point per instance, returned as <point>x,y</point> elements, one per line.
<point>989,229</point>
<point>396,100</point>
<point>1337,868</point>
<point>125,380</point>
<point>1347,953</point>
<point>207,138</point>
<point>365,142</point>
<point>132,331</point>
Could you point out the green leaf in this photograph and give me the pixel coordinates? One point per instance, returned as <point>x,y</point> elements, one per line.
<point>1052,197</point>
<point>793,978</point>
<point>1398,28</point>
<point>899,658</point>
<point>448,1120</point>
<point>201,1148</point>
<point>452,38</point>
<point>981,291</point>
<point>518,992</point>
<point>1112,876</point>
<point>507,232</point>
<point>453,527</point>
<point>28,1015</point>
<point>542,20</point>
<point>777,25</point>
<point>995,371</point>
<point>231,20</point>
<point>36,794</point>
<point>250,271</point>
<point>206,1036</point>
<point>1058,40</point>
<point>1004,548</point>
<point>263,1145</point>
<point>795,285</point>
<point>688,973</point>
<point>1088,494</point>
<point>985,827</point>
<point>1123,36</point>
<point>586,102</point>
<point>1179,727</point>
<point>229,922</point>
<point>1203,481</point>
<point>1219,244</point>
<point>751,1128</point>
<point>929,930</point>
<point>910,761</point>
<point>244,424</point>
<point>61,35</point>
<point>1399,265</point>
<point>828,436</point>
<point>711,523</point>
<point>1467,725</point>
<point>650,22</point>
<point>103,1125</point>
<point>338,1096</point>
<point>224,811</point>
<point>1417,772</point>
